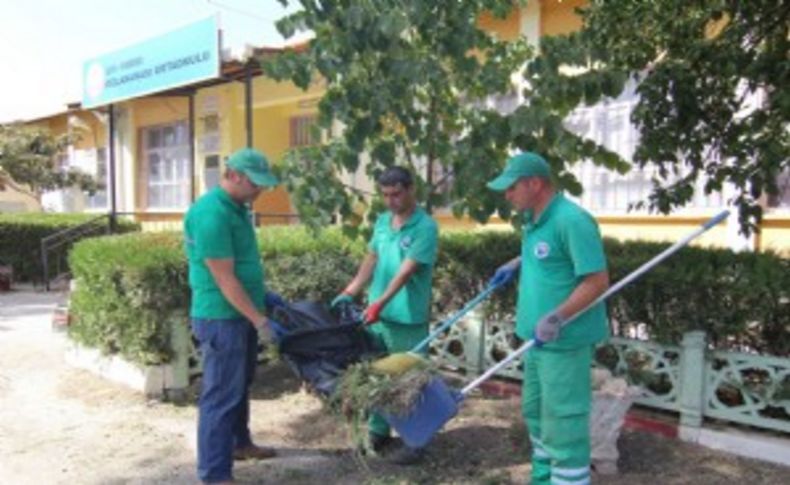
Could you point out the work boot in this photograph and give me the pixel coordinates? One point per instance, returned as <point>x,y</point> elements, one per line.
<point>379,442</point>
<point>406,456</point>
<point>253,452</point>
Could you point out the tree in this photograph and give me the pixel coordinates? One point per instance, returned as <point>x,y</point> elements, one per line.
<point>713,79</point>
<point>408,80</point>
<point>29,157</point>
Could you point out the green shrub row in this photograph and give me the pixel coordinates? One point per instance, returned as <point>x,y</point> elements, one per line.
<point>131,286</point>
<point>21,235</point>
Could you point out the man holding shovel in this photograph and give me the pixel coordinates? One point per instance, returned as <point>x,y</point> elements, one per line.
<point>563,269</point>
<point>400,259</point>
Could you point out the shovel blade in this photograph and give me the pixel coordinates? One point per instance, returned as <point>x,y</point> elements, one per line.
<point>437,404</point>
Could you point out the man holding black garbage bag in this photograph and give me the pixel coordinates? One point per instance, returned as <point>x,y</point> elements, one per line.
<point>227,311</point>
<point>400,259</point>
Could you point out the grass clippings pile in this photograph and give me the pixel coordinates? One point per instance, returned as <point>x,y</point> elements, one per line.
<point>364,389</point>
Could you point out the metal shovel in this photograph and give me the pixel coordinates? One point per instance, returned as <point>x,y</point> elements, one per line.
<point>438,403</point>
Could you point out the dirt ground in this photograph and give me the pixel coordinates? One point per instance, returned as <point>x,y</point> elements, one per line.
<point>59,425</point>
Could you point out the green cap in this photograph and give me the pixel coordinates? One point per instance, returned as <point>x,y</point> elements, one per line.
<point>527,164</point>
<point>254,165</point>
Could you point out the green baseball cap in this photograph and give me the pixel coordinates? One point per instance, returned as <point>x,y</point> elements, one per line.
<point>254,165</point>
<point>526,164</point>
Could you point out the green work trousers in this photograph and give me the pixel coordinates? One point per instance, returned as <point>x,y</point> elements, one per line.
<point>396,337</point>
<point>556,406</point>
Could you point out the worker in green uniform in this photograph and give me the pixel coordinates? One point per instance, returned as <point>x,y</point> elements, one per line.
<point>563,270</point>
<point>400,259</point>
<point>229,297</point>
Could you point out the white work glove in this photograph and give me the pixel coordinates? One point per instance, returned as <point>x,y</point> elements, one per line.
<point>548,328</point>
<point>264,331</point>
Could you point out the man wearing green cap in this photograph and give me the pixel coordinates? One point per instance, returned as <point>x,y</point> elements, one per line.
<point>563,270</point>
<point>400,259</point>
<point>226,277</point>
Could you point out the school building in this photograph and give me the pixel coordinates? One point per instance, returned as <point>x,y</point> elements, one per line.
<point>165,147</point>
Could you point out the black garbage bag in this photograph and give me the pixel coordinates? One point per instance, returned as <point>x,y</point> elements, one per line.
<point>319,343</point>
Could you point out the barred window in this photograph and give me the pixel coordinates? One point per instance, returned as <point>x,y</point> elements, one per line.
<point>166,150</point>
<point>302,131</point>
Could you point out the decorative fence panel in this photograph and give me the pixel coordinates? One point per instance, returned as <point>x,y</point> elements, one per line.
<point>748,389</point>
<point>689,379</point>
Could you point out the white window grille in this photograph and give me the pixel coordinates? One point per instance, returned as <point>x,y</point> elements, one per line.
<point>166,150</point>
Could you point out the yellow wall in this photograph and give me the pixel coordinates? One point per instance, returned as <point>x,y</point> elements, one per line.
<point>155,222</point>
<point>274,104</point>
<point>660,228</point>
<point>91,132</point>
<point>14,198</point>
<point>775,234</point>
<point>58,124</point>
<point>159,110</point>
<point>559,16</point>
<point>508,28</point>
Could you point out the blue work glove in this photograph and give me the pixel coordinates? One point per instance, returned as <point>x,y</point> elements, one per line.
<point>270,330</point>
<point>272,300</point>
<point>548,328</point>
<point>341,298</point>
<point>505,274</point>
<point>278,331</point>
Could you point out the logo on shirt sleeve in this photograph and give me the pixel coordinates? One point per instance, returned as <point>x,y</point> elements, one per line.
<point>405,242</point>
<point>542,250</point>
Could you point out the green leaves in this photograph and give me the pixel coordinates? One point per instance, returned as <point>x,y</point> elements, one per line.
<point>416,83</point>
<point>703,68</point>
<point>400,78</point>
<point>29,155</point>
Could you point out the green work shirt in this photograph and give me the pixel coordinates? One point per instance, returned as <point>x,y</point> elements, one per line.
<point>415,240</point>
<point>557,251</point>
<point>217,227</point>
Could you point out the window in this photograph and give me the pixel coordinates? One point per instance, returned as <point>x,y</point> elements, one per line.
<point>168,169</point>
<point>99,199</point>
<point>609,124</point>
<point>211,172</point>
<point>782,199</point>
<point>302,131</point>
<point>210,140</point>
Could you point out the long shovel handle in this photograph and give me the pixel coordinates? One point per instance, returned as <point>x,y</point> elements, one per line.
<point>611,291</point>
<point>457,316</point>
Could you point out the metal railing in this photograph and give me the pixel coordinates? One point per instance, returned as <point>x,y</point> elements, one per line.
<point>690,379</point>
<point>54,248</point>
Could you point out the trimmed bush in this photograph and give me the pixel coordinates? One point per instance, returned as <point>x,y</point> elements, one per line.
<point>741,300</point>
<point>21,235</point>
<point>130,287</point>
<point>466,262</point>
<point>301,266</point>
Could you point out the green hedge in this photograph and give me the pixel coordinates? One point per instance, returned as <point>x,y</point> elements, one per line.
<point>130,287</point>
<point>741,300</point>
<point>21,235</point>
